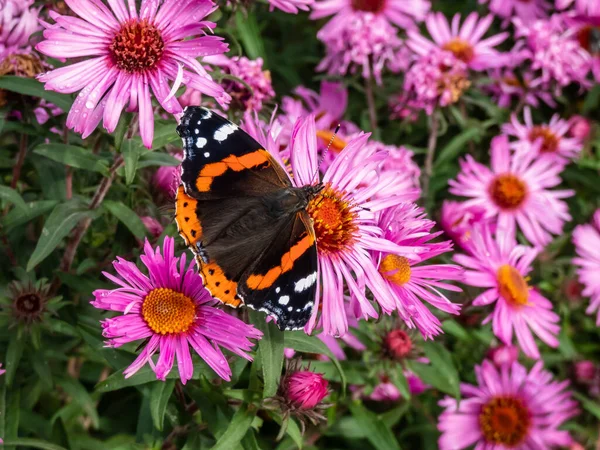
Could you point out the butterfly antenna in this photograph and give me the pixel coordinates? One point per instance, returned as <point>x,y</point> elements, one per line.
<point>328,146</point>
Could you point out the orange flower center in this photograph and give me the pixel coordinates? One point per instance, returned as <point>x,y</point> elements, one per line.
<point>396,269</point>
<point>508,191</point>
<point>512,286</point>
<point>510,80</point>
<point>333,220</point>
<point>505,420</point>
<point>372,6</point>
<point>137,47</point>
<point>461,49</point>
<point>167,311</point>
<point>337,145</point>
<point>549,139</point>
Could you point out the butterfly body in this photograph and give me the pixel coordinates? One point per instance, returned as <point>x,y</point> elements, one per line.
<point>247,224</point>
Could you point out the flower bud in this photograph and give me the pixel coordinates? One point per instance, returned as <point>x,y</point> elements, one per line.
<point>503,355</point>
<point>306,389</point>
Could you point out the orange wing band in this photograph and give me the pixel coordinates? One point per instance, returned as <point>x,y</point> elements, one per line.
<point>187,221</point>
<point>236,163</point>
<point>218,285</point>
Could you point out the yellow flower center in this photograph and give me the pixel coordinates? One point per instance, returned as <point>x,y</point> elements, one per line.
<point>461,49</point>
<point>508,191</point>
<point>549,139</point>
<point>137,47</point>
<point>512,286</point>
<point>396,269</point>
<point>505,420</point>
<point>333,220</point>
<point>456,84</point>
<point>337,145</point>
<point>372,6</point>
<point>167,311</point>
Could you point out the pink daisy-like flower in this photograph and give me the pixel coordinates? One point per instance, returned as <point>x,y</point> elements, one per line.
<point>458,221</point>
<point>501,267</point>
<point>167,178</point>
<point>170,308</point>
<point>291,6</point>
<point>402,13</point>
<point>588,29</point>
<point>516,191</point>
<point>507,87</point>
<point>463,41</point>
<point>18,21</point>
<point>547,139</point>
<point>386,391</point>
<point>527,10</point>
<point>411,283</point>
<point>583,7</point>
<point>130,55</point>
<point>587,244</point>
<point>509,408</point>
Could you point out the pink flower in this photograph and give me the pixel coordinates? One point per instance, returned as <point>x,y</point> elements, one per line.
<point>402,13</point>
<point>18,21</point>
<point>585,372</point>
<point>515,191</point>
<point>587,35</point>
<point>463,41</point>
<point>546,139</point>
<point>45,111</point>
<point>434,80</point>
<point>411,283</point>
<point>587,245</point>
<point>306,389</point>
<point>130,54</point>
<point>154,226</point>
<point>388,392</point>
<point>508,87</point>
<point>501,267</point>
<point>458,221</point>
<point>291,6</point>
<point>509,408</point>
<point>168,178</point>
<point>2,371</point>
<point>583,7</point>
<point>580,128</point>
<point>503,355</point>
<point>255,86</point>
<point>171,309</point>
<point>527,10</point>
<point>364,43</point>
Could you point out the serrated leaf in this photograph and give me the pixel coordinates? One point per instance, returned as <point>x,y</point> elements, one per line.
<point>73,156</point>
<point>132,151</point>
<point>270,352</point>
<point>18,217</point>
<point>12,196</point>
<point>59,224</point>
<point>239,425</point>
<point>301,342</point>
<point>32,87</point>
<point>378,434</point>
<point>13,356</point>
<point>159,399</point>
<point>129,218</point>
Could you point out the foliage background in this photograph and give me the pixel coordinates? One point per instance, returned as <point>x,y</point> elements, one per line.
<point>63,389</point>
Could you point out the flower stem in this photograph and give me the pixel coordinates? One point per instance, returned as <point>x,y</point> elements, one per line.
<point>371,103</point>
<point>20,160</point>
<point>431,144</point>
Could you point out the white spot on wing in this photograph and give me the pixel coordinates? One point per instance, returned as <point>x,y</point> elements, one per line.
<point>277,290</point>
<point>284,299</point>
<point>290,308</point>
<point>206,154</point>
<point>304,283</point>
<point>197,131</point>
<point>201,142</point>
<point>222,133</point>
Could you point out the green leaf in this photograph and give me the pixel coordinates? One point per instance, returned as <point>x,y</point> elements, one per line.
<point>165,132</point>
<point>73,156</point>
<point>13,356</point>
<point>589,405</point>
<point>13,403</point>
<point>378,434</point>
<point>18,217</point>
<point>292,430</point>
<point>441,361</point>
<point>400,381</point>
<point>157,159</point>
<point>81,397</point>
<point>59,224</point>
<point>129,218</point>
<point>270,351</point>
<point>247,27</point>
<point>42,369</point>
<point>159,399</point>
<point>32,87</point>
<point>301,342</point>
<point>456,146</point>
<point>132,151</point>
<point>33,443</point>
<point>239,425</point>
<point>13,197</point>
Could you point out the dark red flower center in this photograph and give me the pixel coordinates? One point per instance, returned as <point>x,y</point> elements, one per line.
<point>28,304</point>
<point>462,49</point>
<point>508,191</point>
<point>398,344</point>
<point>505,421</point>
<point>549,140</point>
<point>372,6</point>
<point>137,47</point>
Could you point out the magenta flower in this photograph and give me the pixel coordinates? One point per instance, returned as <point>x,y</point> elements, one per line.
<point>2,371</point>
<point>509,408</point>
<point>587,244</point>
<point>587,27</point>
<point>170,308</point>
<point>547,139</point>
<point>167,178</point>
<point>503,355</point>
<point>18,21</point>
<point>402,13</point>
<point>516,191</point>
<point>387,391</point>
<point>306,389</point>
<point>583,7</point>
<point>465,41</point>
<point>527,10</point>
<point>501,266</point>
<point>507,87</point>
<point>291,6</point>
<point>130,54</point>
<point>458,220</point>
<point>154,227</point>
<point>580,128</point>
<point>411,283</point>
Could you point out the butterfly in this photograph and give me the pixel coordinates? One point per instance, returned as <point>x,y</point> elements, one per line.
<point>247,225</point>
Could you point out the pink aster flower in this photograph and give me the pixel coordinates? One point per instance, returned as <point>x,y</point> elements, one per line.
<point>588,29</point>
<point>580,128</point>
<point>546,139</point>
<point>18,21</point>
<point>402,13</point>
<point>130,55</point>
<point>171,309</point>
<point>501,267</point>
<point>502,355</point>
<point>412,283</point>
<point>465,41</point>
<point>507,88</point>
<point>583,7</point>
<point>527,10</point>
<point>587,244</point>
<point>458,220</point>
<point>509,408</point>
<point>306,389</point>
<point>386,391</point>
<point>364,43</point>
<point>516,191</point>
<point>291,6</point>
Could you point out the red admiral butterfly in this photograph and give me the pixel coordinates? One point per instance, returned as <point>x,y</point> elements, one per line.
<point>246,223</point>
